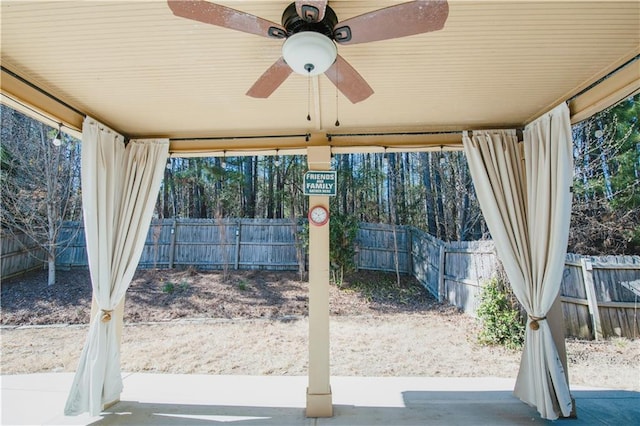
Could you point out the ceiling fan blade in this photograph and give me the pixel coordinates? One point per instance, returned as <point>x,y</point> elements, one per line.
<point>222,16</point>
<point>348,81</point>
<point>272,78</point>
<point>311,10</point>
<point>401,20</point>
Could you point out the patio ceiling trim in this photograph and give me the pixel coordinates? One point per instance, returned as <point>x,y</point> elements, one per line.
<point>623,83</point>
<point>613,85</point>
<point>297,144</point>
<point>583,96</point>
<point>35,102</point>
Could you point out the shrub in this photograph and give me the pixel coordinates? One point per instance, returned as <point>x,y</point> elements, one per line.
<point>242,285</point>
<point>502,322</point>
<point>168,288</point>
<point>342,238</point>
<point>342,235</point>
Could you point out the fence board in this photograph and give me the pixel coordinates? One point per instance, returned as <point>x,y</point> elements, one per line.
<point>75,253</point>
<point>18,255</point>
<point>467,266</point>
<point>577,318</point>
<point>609,274</point>
<point>376,249</point>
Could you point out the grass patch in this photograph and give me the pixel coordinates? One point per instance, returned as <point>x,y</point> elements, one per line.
<point>243,285</point>
<point>170,288</point>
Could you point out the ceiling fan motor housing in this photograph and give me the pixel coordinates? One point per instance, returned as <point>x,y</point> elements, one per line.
<point>309,48</point>
<point>293,23</point>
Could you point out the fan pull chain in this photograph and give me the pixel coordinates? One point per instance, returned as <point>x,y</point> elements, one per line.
<point>309,97</point>
<point>337,123</point>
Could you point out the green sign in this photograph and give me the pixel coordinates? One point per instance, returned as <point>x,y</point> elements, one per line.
<point>320,183</point>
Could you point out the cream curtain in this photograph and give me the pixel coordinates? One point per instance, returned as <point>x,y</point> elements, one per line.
<point>525,196</point>
<point>119,187</point>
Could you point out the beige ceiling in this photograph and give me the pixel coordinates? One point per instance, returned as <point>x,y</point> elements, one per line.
<point>145,72</point>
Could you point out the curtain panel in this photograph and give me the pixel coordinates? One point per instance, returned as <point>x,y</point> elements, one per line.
<point>120,184</point>
<point>524,191</point>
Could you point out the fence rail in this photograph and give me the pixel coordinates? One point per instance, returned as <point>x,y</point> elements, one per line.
<point>600,295</point>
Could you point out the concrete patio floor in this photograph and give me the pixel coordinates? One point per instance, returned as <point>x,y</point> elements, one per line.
<point>163,399</point>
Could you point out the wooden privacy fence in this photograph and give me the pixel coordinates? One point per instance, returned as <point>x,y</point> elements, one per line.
<point>376,248</point>
<point>206,244</point>
<point>454,271</point>
<point>600,295</point>
<point>19,254</point>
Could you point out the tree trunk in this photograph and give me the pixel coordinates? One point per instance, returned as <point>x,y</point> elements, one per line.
<point>437,187</point>
<point>346,175</point>
<point>248,190</point>
<point>270,191</point>
<point>279,194</point>
<point>428,192</point>
<point>51,265</point>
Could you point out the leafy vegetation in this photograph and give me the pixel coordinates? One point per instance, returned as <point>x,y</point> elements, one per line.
<point>342,236</point>
<point>502,323</point>
<point>606,211</point>
<point>243,285</point>
<point>168,287</point>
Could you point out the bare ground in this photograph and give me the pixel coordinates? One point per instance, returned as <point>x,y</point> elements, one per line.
<point>255,322</point>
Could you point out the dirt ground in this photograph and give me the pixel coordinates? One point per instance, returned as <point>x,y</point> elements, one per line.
<point>255,323</point>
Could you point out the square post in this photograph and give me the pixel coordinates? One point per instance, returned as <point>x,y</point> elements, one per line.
<point>319,399</point>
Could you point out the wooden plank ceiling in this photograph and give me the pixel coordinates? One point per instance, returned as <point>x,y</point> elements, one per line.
<point>145,72</point>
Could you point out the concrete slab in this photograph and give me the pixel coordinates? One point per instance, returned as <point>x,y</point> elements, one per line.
<point>165,399</point>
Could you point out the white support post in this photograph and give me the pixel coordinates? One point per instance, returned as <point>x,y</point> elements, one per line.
<point>319,399</point>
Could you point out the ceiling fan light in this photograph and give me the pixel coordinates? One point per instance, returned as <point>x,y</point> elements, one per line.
<point>309,53</point>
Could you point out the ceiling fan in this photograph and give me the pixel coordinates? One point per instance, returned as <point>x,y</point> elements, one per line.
<point>311,28</point>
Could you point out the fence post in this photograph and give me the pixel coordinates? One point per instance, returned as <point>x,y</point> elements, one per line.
<point>443,254</point>
<point>592,301</point>
<point>172,246</point>
<point>409,231</point>
<point>236,263</point>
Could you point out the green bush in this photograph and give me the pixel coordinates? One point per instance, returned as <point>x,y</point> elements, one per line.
<point>342,249</point>
<point>343,230</point>
<point>243,285</point>
<point>502,323</point>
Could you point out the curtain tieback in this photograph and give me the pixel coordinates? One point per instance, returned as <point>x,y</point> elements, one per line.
<point>106,315</point>
<point>534,322</point>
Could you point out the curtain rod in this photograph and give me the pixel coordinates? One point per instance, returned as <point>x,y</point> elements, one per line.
<point>44,92</point>
<point>232,138</point>
<point>595,83</point>
<point>446,132</point>
<point>434,133</point>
